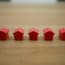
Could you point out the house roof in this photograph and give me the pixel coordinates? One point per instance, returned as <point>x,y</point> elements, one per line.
<point>5,30</point>
<point>62,30</point>
<point>33,30</point>
<point>46,30</point>
<point>21,30</point>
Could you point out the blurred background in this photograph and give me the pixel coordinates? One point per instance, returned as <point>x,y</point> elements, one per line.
<point>33,1</point>
<point>32,12</point>
<point>27,14</point>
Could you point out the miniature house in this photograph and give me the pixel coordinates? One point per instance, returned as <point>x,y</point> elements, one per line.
<point>33,34</point>
<point>62,34</point>
<point>18,34</point>
<point>48,34</point>
<point>4,34</point>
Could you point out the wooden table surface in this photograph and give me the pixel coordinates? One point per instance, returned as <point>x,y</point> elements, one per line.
<point>32,52</point>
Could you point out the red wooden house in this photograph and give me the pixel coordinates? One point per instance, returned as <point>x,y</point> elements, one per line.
<point>48,34</point>
<point>62,34</point>
<point>33,34</point>
<point>18,34</point>
<point>4,34</point>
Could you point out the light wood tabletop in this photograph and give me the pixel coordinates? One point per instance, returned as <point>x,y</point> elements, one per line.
<point>32,52</point>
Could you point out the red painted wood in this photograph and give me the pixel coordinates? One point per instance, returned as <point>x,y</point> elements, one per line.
<point>48,34</point>
<point>4,34</point>
<point>33,34</point>
<point>18,34</point>
<point>62,34</point>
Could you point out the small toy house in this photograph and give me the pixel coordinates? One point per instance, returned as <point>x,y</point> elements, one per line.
<point>48,34</point>
<point>62,34</point>
<point>4,34</point>
<point>18,34</point>
<point>33,34</point>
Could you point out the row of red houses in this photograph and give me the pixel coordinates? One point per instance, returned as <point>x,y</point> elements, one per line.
<point>18,34</point>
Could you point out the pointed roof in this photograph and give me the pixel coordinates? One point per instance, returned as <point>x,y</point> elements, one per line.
<point>33,30</point>
<point>62,30</point>
<point>20,30</point>
<point>47,30</point>
<point>5,30</point>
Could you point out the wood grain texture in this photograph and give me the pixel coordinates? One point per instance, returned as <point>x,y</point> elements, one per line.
<point>32,52</point>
